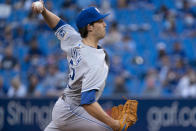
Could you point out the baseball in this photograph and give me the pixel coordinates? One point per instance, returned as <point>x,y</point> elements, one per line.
<point>38,4</point>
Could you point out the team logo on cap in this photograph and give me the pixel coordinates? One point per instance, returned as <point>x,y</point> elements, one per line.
<point>97,10</point>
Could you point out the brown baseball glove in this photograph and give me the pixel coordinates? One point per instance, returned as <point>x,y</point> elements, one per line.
<point>126,114</point>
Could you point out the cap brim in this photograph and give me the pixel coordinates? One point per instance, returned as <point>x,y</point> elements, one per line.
<point>103,16</point>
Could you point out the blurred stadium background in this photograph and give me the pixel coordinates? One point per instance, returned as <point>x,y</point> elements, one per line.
<point>151,44</point>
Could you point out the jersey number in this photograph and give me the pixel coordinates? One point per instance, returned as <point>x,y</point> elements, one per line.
<point>72,74</point>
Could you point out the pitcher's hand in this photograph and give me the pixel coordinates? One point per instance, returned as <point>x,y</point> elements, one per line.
<point>38,6</point>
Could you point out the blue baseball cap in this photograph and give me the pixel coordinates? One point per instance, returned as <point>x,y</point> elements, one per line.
<point>88,16</point>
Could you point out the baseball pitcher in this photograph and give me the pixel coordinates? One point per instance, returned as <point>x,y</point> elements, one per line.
<point>77,109</point>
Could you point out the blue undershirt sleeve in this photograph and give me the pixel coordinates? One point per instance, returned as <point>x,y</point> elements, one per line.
<point>88,97</point>
<point>61,22</point>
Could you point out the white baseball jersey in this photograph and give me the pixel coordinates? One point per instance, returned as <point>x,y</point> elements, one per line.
<point>88,72</point>
<point>87,66</point>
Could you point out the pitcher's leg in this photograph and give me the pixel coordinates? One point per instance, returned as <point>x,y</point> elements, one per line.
<point>51,127</point>
<point>82,122</point>
<point>85,125</point>
<point>85,122</point>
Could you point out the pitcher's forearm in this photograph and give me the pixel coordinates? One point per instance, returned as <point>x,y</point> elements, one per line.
<point>50,18</point>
